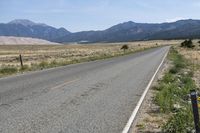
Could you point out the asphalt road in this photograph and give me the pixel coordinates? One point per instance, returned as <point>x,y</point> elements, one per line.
<point>93,97</point>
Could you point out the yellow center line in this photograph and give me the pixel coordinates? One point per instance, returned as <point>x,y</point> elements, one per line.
<point>65,83</point>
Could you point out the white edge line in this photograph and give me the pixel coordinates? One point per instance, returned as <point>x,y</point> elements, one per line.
<point>135,111</point>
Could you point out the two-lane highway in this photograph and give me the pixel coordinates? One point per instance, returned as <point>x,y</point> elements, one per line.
<point>93,97</point>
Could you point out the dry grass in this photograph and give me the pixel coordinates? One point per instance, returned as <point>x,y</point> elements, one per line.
<point>37,57</point>
<point>193,55</point>
<point>35,54</point>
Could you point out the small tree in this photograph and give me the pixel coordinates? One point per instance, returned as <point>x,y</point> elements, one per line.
<point>124,47</point>
<point>187,43</point>
<point>199,42</point>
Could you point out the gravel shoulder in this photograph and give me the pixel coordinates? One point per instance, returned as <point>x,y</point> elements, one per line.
<point>149,119</point>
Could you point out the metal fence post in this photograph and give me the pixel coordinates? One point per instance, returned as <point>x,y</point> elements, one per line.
<point>193,96</point>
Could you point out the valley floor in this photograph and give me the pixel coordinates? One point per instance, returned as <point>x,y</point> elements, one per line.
<point>36,57</point>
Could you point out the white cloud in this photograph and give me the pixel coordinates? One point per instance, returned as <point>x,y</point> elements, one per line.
<point>175,19</point>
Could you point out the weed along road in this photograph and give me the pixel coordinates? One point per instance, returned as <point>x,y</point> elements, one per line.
<point>93,97</point>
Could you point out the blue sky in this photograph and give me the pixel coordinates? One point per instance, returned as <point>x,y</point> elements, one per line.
<point>78,15</point>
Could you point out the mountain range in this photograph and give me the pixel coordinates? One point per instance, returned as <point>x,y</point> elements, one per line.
<point>27,28</point>
<point>127,31</point>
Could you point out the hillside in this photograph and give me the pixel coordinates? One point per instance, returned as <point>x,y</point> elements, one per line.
<point>27,28</point>
<point>131,31</point>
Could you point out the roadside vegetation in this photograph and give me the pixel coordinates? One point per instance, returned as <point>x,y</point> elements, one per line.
<point>125,47</point>
<point>173,95</point>
<point>169,109</point>
<point>188,44</point>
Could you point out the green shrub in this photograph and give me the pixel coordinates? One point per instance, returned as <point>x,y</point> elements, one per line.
<point>165,98</point>
<point>24,68</point>
<point>125,47</point>
<point>179,61</point>
<point>8,70</point>
<point>43,64</point>
<point>174,70</point>
<point>181,122</point>
<point>168,78</point>
<point>188,83</point>
<point>188,44</point>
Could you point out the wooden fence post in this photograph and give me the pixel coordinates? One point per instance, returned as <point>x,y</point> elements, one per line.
<point>21,61</point>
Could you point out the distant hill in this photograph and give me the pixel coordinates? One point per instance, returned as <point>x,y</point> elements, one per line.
<point>5,40</point>
<point>27,28</point>
<point>128,31</point>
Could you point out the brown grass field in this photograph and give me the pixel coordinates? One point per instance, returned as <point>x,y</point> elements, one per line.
<point>36,57</point>
<point>193,56</point>
<point>37,53</point>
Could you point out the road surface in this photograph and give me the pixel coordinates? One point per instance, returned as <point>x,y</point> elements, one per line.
<point>93,97</point>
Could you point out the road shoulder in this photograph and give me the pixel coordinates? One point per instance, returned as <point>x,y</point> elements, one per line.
<point>147,119</point>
